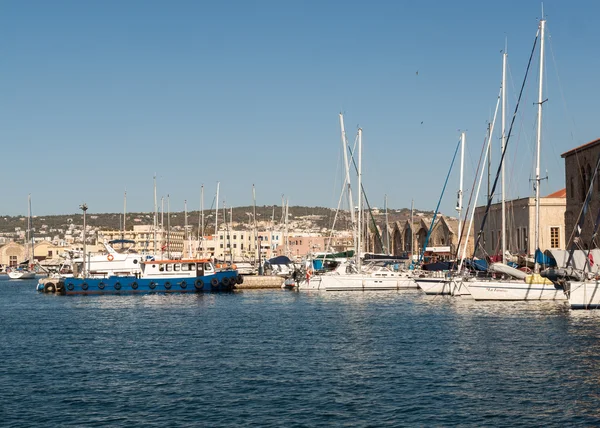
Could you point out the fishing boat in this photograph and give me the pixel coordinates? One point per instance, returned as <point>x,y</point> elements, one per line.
<point>156,276</point>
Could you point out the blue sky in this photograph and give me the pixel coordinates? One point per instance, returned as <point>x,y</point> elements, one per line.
<point>98,96</point>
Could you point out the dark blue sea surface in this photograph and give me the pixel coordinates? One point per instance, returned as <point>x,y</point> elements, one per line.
<point>287,359</point>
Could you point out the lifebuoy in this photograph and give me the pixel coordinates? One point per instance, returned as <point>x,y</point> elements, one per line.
<point>110,257</point>
<point>117,285</point>
<point>134,285</point>
<point>225,281</point>
<point>101,285</point>
<point>199,284</point>
<point>84,286</point>
<point>214,282</point>
<point>167,285</point>
<point>183,284</point>
<point>152,285</point>
<point>70,286</point>
<point>49,287</point>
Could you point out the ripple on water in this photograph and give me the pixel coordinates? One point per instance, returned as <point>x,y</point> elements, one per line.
<point>277,358</point>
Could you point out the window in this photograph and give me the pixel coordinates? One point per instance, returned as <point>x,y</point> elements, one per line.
<point>169,267</point>
<point>184,267</point>
<point>13,261</point>
<point>234,236</point>
<point>50,254</point>
<point>525,240</point>
<point>234,245</point>
<point>554,237</point>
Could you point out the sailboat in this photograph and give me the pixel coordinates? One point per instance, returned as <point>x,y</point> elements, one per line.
<point>350,275</point>
<point>521,287</point>
<point>437,283</point>
<point>27,271</point>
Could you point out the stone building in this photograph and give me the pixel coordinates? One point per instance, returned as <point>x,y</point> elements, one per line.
<point>579,169</point>
<point>443,242</point>
<point>520,225</point>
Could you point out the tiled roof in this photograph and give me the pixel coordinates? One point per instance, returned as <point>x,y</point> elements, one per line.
<point>578,149</point>
<point>562,193</point>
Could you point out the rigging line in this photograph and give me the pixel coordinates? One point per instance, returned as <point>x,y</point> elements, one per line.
<point>364,195</point>
<point>438,206</point>
<point>487,209</point>
<point>479,165</point>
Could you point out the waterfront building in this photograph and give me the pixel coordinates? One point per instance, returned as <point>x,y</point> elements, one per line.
<point>579,169</point>
<point>168,243</point>
<point>520,225</point>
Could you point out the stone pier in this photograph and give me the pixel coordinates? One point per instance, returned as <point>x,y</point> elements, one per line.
<point>255,282</point>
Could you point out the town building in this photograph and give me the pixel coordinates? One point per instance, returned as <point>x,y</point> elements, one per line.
<point>580,163</point>
<point>520,225</point>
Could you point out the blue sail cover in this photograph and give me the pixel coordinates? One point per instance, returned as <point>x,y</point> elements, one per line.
<point>280,260</point>
<point>543,259</point>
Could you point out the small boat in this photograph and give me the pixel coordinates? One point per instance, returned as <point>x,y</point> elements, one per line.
<point>160,276</point>
<point>20,273</point>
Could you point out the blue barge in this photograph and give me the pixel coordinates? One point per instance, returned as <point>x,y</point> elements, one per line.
<point>156,276</point>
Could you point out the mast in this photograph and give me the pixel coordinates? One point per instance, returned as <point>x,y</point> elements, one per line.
<point>201,222</point>
<point>155,221</point>
<point>538,145</point>
<point>168,227</point>
<point>124,217</point>
<point>412,233</point>
<point>360,231</point>
<point>185,227</point>
<point>503,232</point>
<point>30,232</point>
<point>387,234</point>
<point>162,224</point>
<point>459,204</point>
<point>217,216</point>
<point>347,177</point>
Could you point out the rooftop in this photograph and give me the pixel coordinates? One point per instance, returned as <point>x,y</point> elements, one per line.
<point>580,148</point>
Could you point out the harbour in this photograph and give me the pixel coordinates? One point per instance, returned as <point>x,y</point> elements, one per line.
<point>274,357</point>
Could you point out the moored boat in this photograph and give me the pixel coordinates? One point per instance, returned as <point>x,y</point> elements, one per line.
<point>163,276</point>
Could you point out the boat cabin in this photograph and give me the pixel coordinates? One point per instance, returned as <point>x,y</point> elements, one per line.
<point>177,268</point>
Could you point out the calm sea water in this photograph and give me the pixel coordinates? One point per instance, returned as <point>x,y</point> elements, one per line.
<point>280,358</point>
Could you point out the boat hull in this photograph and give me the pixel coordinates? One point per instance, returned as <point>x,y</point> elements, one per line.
<point>221,281</point>
<point>355,283</point>
<point>21,274</point>
<point>514,290</point>
<point>435,286</point>
<point>584,295</point>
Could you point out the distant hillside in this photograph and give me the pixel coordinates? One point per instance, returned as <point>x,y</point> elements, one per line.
<point>319,216</point>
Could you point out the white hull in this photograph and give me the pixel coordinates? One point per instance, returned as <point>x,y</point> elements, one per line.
<point>21,274</point>
<point>355,282</point>
<point>460,289</point>
<point>514,290</point>
<point>434,286</point>
<point>584,295</point>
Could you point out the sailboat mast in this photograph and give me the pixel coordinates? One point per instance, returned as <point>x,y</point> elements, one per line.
<point>30,231</point>
<point>538,145</point>
<point>412,232</point>
<point>347,176</point>
<point>185,229</point>
<point>168,227</point>
<point>124,215</point>
<point>201,223</point>
<point>459,204</point>
<point>387,234</point>
<point>360,231</point>
<point>217,216</point>
<point>503,232</point>
<point>155,221</point>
